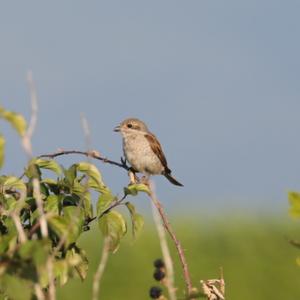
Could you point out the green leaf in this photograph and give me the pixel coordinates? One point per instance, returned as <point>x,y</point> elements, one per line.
<point>33,171</point>
<point>77,258</point>
<point>2,146</point>
<point>294,199</point>
<point>12,182</point>
<point>71,200</point>
<point>52,204</point>
<point>34,216</point>
<point>47,164</point>
<point>69,226</point>
<point>16,288</point>
<point>49,181</point>
<point>15,119</point>
<point>61,227</point>
<point>78,188</point>
<point>61,270</point>
<point>91,170</point>
<point>70,175</point>
<point>53,185</point>
<point>87,205</point>
<point>113,226</point>
<point>9,240</point>
<point>38,250</point>
<point>137,220</point>
<point>84,198</point>
<point>104,201</point>
<point>133,189</point>
<point>9,203</point>
<point>83,266</point>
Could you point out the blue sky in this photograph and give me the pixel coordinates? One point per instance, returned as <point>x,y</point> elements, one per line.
<point>216,81</point>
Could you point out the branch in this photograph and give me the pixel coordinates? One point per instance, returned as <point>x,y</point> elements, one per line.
<point>27,145</point>
<point>210,289</point>
<point>112,205</point>
<point>39,203</point>
<point>165,251</point>
<point>26,139</point>
<point>100,270</point>
<point>167,225</point>
<point>93,154</point>
<point>19,227</point>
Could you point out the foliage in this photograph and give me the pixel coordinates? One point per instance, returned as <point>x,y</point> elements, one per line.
<point>67,205</point>
<point>17,121</point>
<point>294,199</point>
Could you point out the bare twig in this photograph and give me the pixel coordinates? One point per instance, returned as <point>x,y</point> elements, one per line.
<point>39,203</point>
<point>167,225</point>
<point>101,267</point>
<point>52,289</point>
<point>27,146</point>
<point>26,139</point>
<point>86,131</point>
<point>92,154</point>
<point>87,135</point>
<point>26,143</point>
<point>39,292</point>
<point>34,106</point>
<point>15,215</point>
<point>37,224</point>
<point>105,250</point>
<point>210,289</point>
<point>165,250</point>
<point>21,233</point>
<point>112,205</point>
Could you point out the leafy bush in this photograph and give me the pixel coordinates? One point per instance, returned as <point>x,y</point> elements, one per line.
<point>41,219</point>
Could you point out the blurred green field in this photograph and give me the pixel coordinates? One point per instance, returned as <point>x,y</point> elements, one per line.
<point>257,259</point>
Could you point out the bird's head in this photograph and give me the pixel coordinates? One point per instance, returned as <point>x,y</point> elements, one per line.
<point>131,125</point>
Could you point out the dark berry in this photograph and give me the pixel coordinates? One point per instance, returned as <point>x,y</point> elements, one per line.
<point>155,292</point>
<point>159,263</point>
<point>159,274</point>
<point>86,228</point>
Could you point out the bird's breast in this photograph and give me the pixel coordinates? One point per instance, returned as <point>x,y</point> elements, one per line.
<point>139,154</point>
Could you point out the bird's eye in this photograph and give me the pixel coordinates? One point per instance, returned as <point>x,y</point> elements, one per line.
<point>129,125</point>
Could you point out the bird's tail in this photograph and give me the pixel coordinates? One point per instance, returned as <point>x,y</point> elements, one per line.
<point>172,179</point>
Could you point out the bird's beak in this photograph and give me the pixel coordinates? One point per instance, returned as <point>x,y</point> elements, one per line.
<point>117,128</point>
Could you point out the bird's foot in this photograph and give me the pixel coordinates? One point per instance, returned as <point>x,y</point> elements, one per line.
<point>145,180</point>
<point>133,177</point>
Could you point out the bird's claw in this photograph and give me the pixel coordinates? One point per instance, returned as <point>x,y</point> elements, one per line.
<point>145,180</point>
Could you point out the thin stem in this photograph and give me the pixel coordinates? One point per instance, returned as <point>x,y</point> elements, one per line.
<point>39,292</point>
<point>19,227</point>
<point>112,205</point>
<point>34,106</point>
<point>26,139</point>
<point>39,203</point>
<point>167,225</point>
<point>92,154</point>
<point>166,253</point>
<point>100,270</point>
<point>27,146</point>
<point>52,289</point>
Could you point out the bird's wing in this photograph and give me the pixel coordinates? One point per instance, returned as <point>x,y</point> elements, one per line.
<point>157,149</point>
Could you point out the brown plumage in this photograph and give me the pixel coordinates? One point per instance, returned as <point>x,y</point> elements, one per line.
<point>143,150</point>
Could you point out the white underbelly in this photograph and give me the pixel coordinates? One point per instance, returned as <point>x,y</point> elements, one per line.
<point>140,156</point>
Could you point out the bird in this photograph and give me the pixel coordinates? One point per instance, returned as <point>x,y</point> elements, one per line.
<point>143,150</point>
